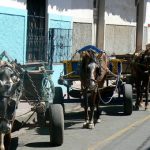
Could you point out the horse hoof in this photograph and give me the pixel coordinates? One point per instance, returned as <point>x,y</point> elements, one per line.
<point>98,120</point>
<point>85,125</point>
<point>91,126</point>
<point>141,105</point>
<point>136,107</point>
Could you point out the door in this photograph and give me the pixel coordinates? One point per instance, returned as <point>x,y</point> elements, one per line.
<point>36,39</point>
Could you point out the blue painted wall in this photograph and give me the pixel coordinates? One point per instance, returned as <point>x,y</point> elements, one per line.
<point>58,21</point>
<point>13,27</point>
<point>63,22</point>
<point>62,36</point>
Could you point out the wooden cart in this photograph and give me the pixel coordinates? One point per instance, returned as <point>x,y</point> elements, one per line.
<point>117,66</point>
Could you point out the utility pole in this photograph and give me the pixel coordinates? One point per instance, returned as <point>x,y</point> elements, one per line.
<point>140,17</point>
<point>100,24</point>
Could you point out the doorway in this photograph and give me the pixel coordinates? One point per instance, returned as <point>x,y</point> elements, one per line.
<point>36,23</point>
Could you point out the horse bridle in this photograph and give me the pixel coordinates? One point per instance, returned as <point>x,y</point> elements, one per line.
<point>8,96</point>
<point>94,60</point>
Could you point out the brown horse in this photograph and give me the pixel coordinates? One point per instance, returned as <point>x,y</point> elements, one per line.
<point>9,97</point>
<point>93,73</point>
<point>141,75</point>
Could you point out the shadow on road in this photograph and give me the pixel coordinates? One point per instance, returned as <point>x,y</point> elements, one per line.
<point>113,110</point>
<point>39,144</point>
<point>74,118</point>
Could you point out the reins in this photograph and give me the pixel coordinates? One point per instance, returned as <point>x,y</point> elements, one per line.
<point>96,89</point>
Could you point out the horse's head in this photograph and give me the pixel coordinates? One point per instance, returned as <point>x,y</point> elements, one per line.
<point>142,60</point>
<point>92,70</point>
<point>8,85</point>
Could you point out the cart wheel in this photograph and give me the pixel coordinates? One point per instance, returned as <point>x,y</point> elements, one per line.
<point>127,94</point>
<point>56,125</point>
<point>41,119</point>
<point>58,98</point>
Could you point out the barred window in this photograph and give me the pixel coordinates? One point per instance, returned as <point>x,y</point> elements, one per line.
<point>60,44</point>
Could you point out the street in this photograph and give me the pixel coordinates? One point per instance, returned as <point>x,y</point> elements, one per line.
<point>114,132</point>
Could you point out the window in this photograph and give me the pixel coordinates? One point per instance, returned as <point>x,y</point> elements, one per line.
<point>60,44</point>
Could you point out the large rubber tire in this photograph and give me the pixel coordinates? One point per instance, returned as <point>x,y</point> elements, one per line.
<point>58,98</point>
<point>127,95</point>
<point>56,125</point>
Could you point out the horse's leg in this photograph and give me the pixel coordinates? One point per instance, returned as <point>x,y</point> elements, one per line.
<point>141,94</point>
<point>91,122</point>
<point>92,106</point>
<point>146,95</point>
<point>138,92</point>
<point>86,110</point>
<point>98,120</point>
<point>2,142</point>
<point>7,141</point>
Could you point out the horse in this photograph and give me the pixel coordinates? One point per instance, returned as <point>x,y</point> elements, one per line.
<point>93,71</point>
<point>10,94</point>
<point>141,74</point>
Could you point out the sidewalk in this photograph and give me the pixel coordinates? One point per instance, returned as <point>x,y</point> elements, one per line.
<point>24,113</point>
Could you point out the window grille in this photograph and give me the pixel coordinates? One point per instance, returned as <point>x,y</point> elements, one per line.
<point>60,44</point>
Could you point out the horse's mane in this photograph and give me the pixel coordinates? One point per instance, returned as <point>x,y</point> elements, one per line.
<point>84,61</point>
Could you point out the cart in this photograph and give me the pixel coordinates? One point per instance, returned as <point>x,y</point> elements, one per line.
<point>39,91</point>
<point>116,68</point>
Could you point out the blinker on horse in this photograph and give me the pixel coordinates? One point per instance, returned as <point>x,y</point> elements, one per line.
<point>93,73</point>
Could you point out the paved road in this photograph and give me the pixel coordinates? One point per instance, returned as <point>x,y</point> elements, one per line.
<point>115,132</point>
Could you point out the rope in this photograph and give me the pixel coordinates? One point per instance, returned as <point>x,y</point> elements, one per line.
<point>24,113</point>
<point>68,73</point>
<point>104,102</point>
<point>34,87</point>
<point>117,84</point>
<point>48,88</point>
<point>23,123</point>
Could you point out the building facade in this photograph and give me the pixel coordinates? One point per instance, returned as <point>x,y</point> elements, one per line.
<point>125,25</point>
<point>52,30</point>
<point>43,30</point>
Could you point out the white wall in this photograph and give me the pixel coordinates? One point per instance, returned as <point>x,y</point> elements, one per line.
<point>79,10</point>
<point>120,12</point>
<point>120,29</point>
<point>148,38</point>
<point>147,21</point>
<point>147,18</point>
<point>21,4</point>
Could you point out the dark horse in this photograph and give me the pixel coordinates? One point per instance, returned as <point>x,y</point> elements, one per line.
<point>9,97</point>
<point>141,76</point>
<point>93,74</point>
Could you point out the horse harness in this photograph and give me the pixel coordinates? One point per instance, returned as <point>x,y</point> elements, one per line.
<point>9,86</point>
